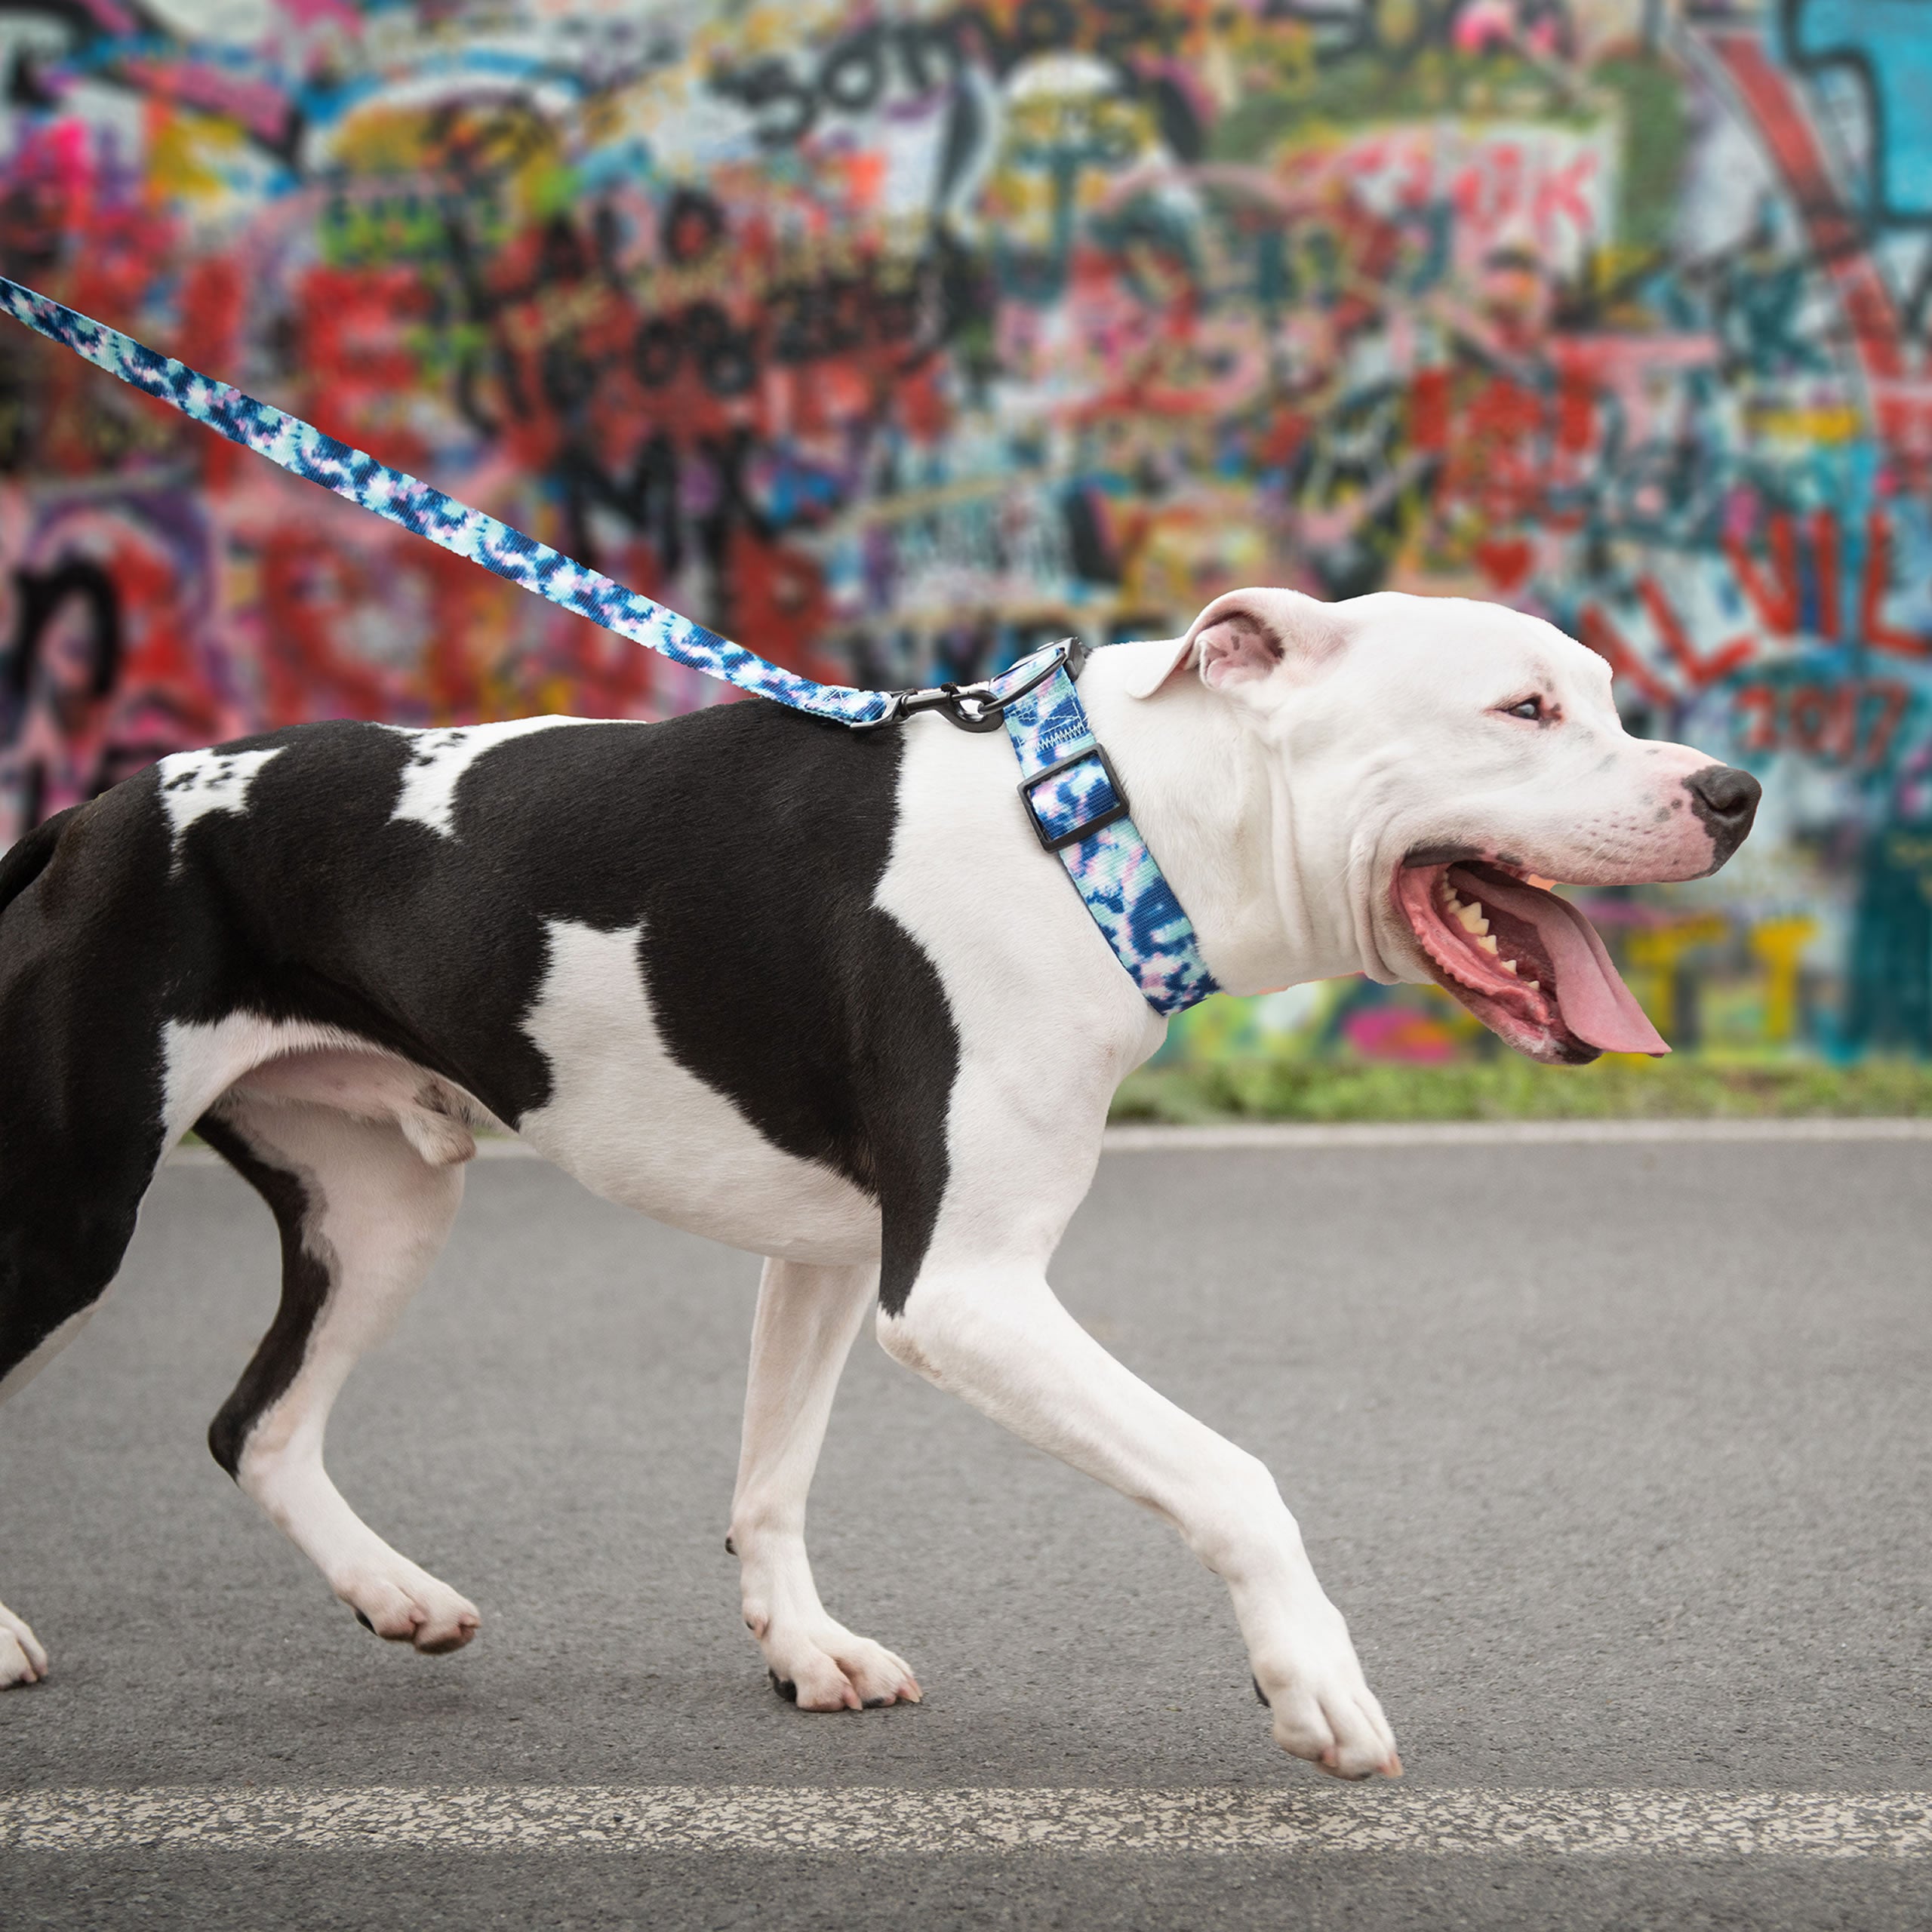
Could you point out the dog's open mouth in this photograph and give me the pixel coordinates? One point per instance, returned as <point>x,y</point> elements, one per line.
<point>1526,963</point>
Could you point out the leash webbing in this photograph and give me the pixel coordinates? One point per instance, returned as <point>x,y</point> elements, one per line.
<point>304,450</point>
<point>1071,793</point>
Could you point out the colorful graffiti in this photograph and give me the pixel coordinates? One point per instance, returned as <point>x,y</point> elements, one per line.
<point>893,339</point>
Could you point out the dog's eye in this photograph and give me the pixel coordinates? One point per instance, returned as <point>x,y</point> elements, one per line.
<point>1530,707</point>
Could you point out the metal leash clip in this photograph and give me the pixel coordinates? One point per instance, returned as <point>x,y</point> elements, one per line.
<point>980,705</point>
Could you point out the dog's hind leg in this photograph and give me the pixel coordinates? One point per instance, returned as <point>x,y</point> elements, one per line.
<point>56,1260</point>
<point>69,1195</point>
<point>363,1214</point>
<point>64,1225</point>
<point>806,1319</point>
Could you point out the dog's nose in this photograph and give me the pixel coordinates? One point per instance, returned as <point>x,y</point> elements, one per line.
<point>1726,794</point>
<point>1726,799</point>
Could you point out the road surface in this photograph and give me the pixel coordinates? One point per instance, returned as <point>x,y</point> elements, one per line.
<point>1618,1458</point>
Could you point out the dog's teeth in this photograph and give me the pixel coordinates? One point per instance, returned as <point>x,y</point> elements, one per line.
<point>1472,919</point>
<point>1450,900</point>
<point>1487,944</point>
<point>1533,984</point>
<point>1509,965</point>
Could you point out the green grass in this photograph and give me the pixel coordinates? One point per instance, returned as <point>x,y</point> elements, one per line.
<point>1514,1089</point>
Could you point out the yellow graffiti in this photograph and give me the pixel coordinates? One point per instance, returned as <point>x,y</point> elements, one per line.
<point>187,152</point>
<point>1839,424</point>
<point>1654,952</point>
<point>1780,944</point>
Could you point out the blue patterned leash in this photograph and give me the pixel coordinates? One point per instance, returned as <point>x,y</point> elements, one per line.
<point>304,450</point>
<point>1072,798</point>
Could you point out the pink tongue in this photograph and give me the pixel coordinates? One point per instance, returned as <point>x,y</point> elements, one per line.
<point>1596,1005</point>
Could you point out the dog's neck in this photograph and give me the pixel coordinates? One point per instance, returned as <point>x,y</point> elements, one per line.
<point>1270,888</point>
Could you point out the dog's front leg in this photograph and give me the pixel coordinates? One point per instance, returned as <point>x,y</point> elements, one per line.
<point>997,1336</point>
<point>807,1318</point>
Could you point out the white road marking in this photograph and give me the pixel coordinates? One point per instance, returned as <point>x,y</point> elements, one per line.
<point>1463,1823</point>
<point>1289,1137</point>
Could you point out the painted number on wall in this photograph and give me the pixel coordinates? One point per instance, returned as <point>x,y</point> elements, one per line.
<point>1854,723</point>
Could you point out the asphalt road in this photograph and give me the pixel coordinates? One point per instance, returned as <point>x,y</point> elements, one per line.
<point>1618,1459</point>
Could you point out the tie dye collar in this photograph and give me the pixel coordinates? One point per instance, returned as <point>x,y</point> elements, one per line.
<point>1078,809</point>
<point>1071,795</point>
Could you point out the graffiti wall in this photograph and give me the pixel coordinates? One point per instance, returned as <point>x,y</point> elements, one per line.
<point>891,339</point>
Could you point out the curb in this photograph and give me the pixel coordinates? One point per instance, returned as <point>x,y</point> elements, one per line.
<point>1288,1136</point>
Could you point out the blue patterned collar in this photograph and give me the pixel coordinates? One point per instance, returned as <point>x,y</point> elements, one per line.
<point>1078,809</point>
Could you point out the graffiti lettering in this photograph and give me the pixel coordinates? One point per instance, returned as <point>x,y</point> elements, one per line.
<point>892,344</point>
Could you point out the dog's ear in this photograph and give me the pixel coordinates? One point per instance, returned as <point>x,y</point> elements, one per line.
<point>1242,637</point>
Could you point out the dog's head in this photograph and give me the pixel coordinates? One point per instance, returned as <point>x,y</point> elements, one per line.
<point>1444,758</point>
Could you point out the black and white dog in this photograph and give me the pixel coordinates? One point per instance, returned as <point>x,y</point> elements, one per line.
<point>816,994</point>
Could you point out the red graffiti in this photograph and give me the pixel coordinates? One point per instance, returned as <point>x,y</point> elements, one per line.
<point>1853,724</point>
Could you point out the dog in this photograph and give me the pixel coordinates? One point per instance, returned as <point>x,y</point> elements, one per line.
<point>815,993</point>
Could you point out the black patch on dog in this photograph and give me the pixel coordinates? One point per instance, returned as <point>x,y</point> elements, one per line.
<point>1442,855</point>
<point>312,905</point>
<point>30,855</point>
<point>747,841</point>
<point>305,1290</point>
<point>783,1686</point>
<point>750,840</point>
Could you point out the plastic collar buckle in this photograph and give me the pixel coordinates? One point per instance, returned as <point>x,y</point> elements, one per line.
<point>1058,842</point>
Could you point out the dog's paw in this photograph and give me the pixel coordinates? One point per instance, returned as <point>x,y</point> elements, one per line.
<point>829,1669</point>
<point>23,1660</point>
<point>407,1605</point>
<point>1323,1708</point>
